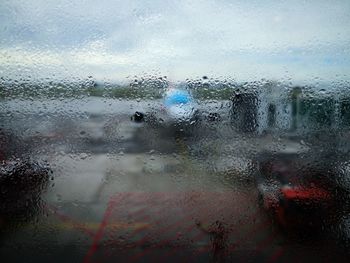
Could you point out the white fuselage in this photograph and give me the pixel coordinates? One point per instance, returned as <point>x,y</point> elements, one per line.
<point>180,112</point>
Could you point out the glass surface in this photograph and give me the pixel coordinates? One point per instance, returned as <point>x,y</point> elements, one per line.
<point>167,131</point>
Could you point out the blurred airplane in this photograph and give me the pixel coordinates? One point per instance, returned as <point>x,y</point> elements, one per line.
<point>178,108</point>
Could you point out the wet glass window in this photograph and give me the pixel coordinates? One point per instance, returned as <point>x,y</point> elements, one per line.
<point>167,131</point>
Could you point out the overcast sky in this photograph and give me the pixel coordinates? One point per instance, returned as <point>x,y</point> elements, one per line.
<point>109,39</point>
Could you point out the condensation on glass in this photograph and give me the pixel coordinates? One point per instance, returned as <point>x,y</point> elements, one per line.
<point>205,131</point>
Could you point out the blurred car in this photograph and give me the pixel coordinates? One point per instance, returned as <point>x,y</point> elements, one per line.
<point>302,190</point>
<point>22,181</point>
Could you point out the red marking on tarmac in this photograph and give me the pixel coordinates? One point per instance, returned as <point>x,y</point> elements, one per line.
<point>156,205</point>
<point>167,241</point>
<point>166,228</point>
<point>67,219</point>
<point>160,230</point>
<point>143,197</point>
<point>99,234</point>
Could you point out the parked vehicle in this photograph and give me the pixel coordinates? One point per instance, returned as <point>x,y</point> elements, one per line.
<point>302,190</point>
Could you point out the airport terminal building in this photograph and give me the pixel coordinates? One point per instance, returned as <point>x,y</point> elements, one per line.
<point>295,110</point>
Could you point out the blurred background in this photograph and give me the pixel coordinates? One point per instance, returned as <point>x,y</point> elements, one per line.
<point>200,131</point>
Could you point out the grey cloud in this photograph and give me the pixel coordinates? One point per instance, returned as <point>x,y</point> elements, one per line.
<point>137,35</point>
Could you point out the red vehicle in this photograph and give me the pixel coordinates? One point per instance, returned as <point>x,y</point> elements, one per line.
<point>302,191</point>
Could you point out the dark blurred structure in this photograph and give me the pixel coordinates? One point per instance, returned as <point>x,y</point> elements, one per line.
<point>22,182</point>
<point>244,112</point>
<point>21,185</point>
